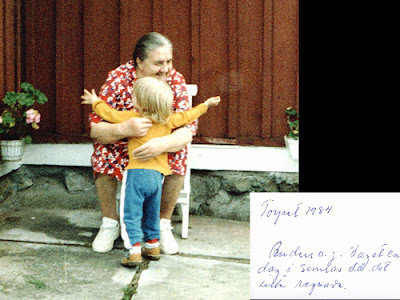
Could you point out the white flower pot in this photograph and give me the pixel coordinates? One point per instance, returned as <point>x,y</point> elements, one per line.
<point>12,150</point>
<point>293,147</point>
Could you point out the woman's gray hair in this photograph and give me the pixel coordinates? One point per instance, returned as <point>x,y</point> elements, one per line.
<point>148,43</point>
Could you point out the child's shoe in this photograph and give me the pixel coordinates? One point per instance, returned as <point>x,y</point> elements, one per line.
<point>135,257</point>
<point>151,249</point>
<point>133,260</point>
<point>153,254</point>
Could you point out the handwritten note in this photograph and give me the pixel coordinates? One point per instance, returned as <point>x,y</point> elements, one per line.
<point>325,245</point>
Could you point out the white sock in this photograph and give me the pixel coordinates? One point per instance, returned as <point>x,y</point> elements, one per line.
<point>109,221</point>
<point>165,223</point>
<point>135,249</point>
<point>151,246</point>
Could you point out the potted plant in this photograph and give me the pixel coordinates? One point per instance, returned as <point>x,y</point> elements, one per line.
<point>292,140</point>
<point>17,119</point>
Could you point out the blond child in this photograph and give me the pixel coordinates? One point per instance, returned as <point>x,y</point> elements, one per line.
<point>142,182</point>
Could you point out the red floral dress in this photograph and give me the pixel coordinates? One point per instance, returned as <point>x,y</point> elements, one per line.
<point>111,159</point>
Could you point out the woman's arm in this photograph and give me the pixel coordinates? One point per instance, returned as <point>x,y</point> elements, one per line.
<point>170,143</point>
<point>107,133</point>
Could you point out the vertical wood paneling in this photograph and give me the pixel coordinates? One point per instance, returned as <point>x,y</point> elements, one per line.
<point>9,49</point>
<point>17,42</point>
<point>177,27</point>
<point>2,51</point>
<point>285,62</point>
<point>195,41</point>
<point>234,80</point>
<point>158,15</point>
<point>10,46</point>
<point>101,51</point>
<point>135,20</point>
<point>69,67</point>
<point>250,16</point>
<point>40,56</point>
<point>244,51</point>
<point>214,65</point>
<point>267,69</point>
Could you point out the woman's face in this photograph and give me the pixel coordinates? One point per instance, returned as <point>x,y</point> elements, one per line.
<point>157,64</point>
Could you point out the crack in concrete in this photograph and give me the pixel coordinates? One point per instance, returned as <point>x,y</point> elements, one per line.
<point>132,287</point>
<point>89,245</point>
<point>219,258</point>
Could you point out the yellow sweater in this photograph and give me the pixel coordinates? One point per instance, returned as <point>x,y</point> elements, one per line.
<point>158,163</point>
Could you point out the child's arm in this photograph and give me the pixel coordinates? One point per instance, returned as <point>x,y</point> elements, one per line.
<point>187,117</point>
<point>104,111</point>
<point>89,98</point>
<point>213,101</point>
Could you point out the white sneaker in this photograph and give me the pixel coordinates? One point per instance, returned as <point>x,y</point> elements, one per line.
<point>108,233</point>
<point>168,245</point>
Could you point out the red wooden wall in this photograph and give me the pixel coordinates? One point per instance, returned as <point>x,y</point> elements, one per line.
<point>10,45</point>
<point>246,51</point>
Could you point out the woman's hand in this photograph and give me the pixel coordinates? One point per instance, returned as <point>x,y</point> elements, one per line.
<point>135,127</point>
<point>169,143</point>
<point>150,149</point>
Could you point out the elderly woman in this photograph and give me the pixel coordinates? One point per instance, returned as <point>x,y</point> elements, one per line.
<point>152,57</point>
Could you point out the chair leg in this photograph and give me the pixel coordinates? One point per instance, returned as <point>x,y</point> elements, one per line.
<point>184,212</point>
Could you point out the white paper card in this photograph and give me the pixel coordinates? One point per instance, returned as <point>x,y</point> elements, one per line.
<point>325,245</point>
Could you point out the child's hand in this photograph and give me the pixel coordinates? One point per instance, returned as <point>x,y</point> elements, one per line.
<point>89,98</point>
<point>213,101</point>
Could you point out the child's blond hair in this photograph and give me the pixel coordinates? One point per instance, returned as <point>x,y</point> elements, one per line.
<point>154,98</point>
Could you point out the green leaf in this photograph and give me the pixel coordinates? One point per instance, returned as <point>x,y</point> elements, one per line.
<point>27,87</point>
<point>26,99</point>
<point>10,98</point>
<point>28,139</point>
<point>7,118</point>
<point>42,98</point>
<point>291,112</point>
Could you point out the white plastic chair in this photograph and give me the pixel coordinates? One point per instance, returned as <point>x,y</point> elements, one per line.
<point>184,197</point>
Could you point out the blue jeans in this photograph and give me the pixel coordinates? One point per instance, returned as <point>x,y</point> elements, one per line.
<point>140,206</point>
